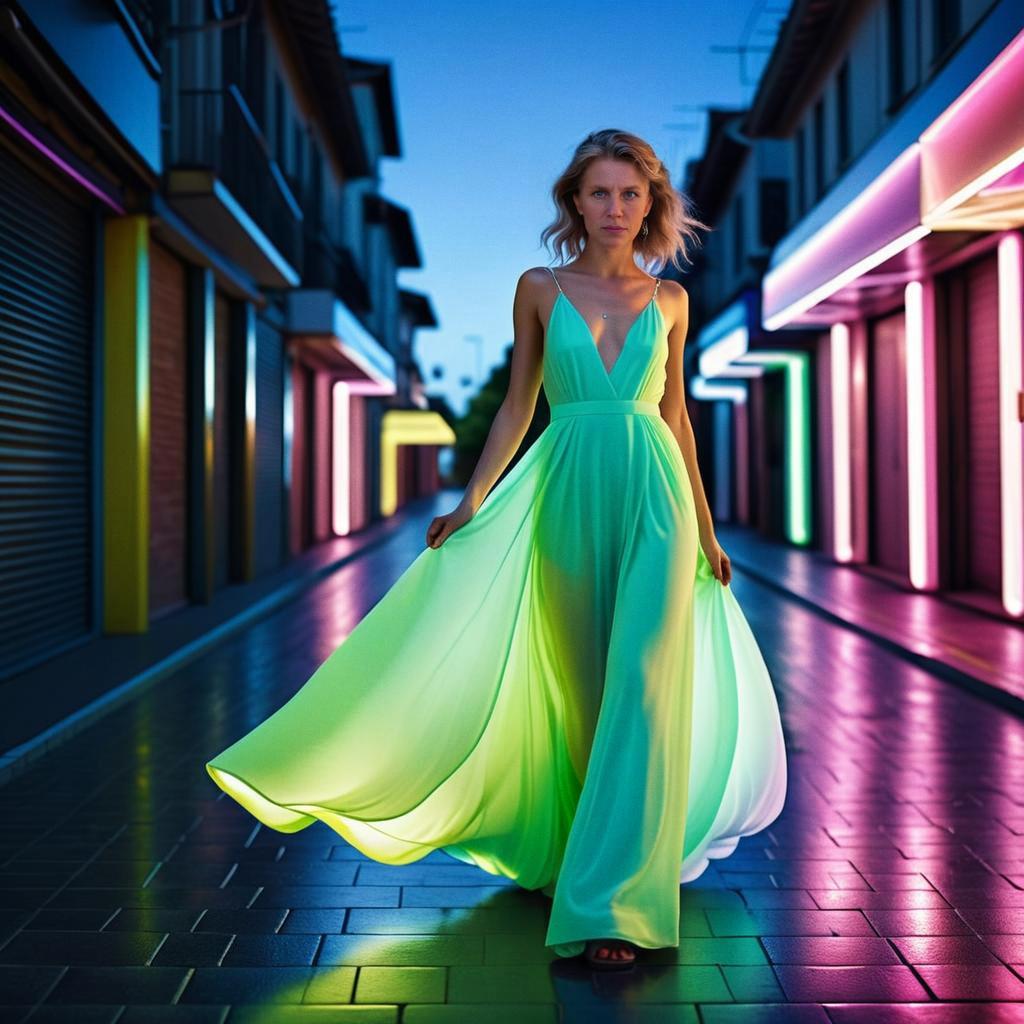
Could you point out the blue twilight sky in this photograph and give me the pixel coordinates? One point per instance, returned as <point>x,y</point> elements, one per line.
<point>493,97</point>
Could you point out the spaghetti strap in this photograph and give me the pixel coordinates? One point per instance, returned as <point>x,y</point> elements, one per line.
<point>657,282</point>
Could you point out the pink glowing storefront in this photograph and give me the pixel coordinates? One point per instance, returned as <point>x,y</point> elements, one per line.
<point>335,365</point>
<point>348,459</point>
<point>912,270</point>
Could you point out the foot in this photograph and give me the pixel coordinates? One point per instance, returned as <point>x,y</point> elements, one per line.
<point>610,951</point>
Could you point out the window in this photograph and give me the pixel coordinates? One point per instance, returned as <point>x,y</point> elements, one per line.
<point>843,112</point>
<point>300,157</point>
<point>737,236</point>
<point>819,148</point>
<point>897,80</point>
<point>800,179</point>
<point>279,147</point>
<point>945,25</point>
<point>773,216</point>
<point>316,185</point>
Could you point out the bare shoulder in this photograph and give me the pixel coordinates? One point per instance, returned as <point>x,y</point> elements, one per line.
<point>537,279</point>
<point>675,302</point>
<point>537,289</point>
<point>674,292</point>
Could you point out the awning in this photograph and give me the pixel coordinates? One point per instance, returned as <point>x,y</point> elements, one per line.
<point>948,165</point>
<point>405,426</point>
<point>326,335</point>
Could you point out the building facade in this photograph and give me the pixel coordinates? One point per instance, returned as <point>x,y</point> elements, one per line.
<point>202,336</point>
<point>889,310</point>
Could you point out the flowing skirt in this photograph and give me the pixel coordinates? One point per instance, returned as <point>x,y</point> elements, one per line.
<point>561,694</point>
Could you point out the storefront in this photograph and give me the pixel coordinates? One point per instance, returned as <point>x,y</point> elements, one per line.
<point>335,370</point>
<point>768,467</point>
<point>48,397</point>
<point>913,263</point>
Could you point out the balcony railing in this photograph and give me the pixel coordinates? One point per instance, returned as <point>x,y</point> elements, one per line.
<point>215,130</point>
<point>331,266</point>
<point>143,14</point>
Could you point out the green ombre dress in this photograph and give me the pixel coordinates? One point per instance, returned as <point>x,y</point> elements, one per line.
<point>562,693</point>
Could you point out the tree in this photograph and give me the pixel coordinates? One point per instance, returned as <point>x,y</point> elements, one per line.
<point>471,429</point>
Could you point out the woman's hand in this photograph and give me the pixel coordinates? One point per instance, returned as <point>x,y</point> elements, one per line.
<point>720,564</point>
<point>442,527</point>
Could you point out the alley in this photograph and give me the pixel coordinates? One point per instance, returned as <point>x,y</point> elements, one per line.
<point>133,890</point>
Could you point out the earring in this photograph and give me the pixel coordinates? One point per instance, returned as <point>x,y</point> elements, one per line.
<point>643,230</point>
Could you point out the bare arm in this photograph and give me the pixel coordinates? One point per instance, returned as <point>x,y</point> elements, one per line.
<point>513,417</point>
<point>673,411</point>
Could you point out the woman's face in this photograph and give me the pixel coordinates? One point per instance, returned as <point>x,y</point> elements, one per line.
<point>613,194</point>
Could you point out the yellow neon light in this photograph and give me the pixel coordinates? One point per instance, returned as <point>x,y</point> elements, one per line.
<point>405,426</point>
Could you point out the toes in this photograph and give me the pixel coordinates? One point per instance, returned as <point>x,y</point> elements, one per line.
<point>617,951</point>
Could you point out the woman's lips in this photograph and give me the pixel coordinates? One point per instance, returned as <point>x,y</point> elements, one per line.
<point>614,229</point>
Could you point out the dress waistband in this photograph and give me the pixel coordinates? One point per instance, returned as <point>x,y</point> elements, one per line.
<point>606,406</point>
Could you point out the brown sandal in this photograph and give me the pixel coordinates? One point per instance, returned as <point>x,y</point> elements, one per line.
<point>606,963</point>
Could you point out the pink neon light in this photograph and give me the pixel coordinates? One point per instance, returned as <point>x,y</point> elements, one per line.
<point>369,387</point>
<point>880,222</point>
<point>1009,60</point>
<point>1012,181</point>
<point>922,494</point>
<point>976,134</point>
<point>842,517</point>
<point>62,164</point>
<point>340,478</point>
<point>1011,442</point>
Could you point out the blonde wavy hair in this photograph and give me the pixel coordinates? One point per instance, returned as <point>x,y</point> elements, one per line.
<point>671,224</point>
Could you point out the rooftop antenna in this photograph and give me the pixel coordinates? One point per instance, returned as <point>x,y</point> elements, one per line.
<point>749,76</point>
<point>677,156</point>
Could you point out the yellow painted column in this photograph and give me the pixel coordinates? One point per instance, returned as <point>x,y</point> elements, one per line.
<point>126,425</point>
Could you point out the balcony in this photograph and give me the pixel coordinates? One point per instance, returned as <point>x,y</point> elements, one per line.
<point>331,266</point>
<point>223,180</point>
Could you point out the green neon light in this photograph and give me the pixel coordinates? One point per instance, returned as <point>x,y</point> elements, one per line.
<point>798,436</point>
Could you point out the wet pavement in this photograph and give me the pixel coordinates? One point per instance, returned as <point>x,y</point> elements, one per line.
<point>890,889</point>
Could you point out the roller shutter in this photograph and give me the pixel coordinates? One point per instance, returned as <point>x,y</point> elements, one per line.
<point>46,408</point>
<point>890,544</point>
<point>984,540</point>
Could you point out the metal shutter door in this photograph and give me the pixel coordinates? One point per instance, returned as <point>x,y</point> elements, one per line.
<point>891,545</point>
<point>358,500</point>
<point>778,456</point>
<point>269,447</point>
<point>46,436</point>
<point>983,497</point>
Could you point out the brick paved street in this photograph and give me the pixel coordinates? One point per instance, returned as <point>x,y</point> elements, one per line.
<point>891,888</point>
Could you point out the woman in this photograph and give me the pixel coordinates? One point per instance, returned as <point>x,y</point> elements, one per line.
<point>561,688</point>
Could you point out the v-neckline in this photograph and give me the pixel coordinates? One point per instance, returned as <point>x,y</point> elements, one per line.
<point>609,373</point>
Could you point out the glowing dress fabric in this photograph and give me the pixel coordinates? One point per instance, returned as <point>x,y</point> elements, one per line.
<point>562,693</point>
